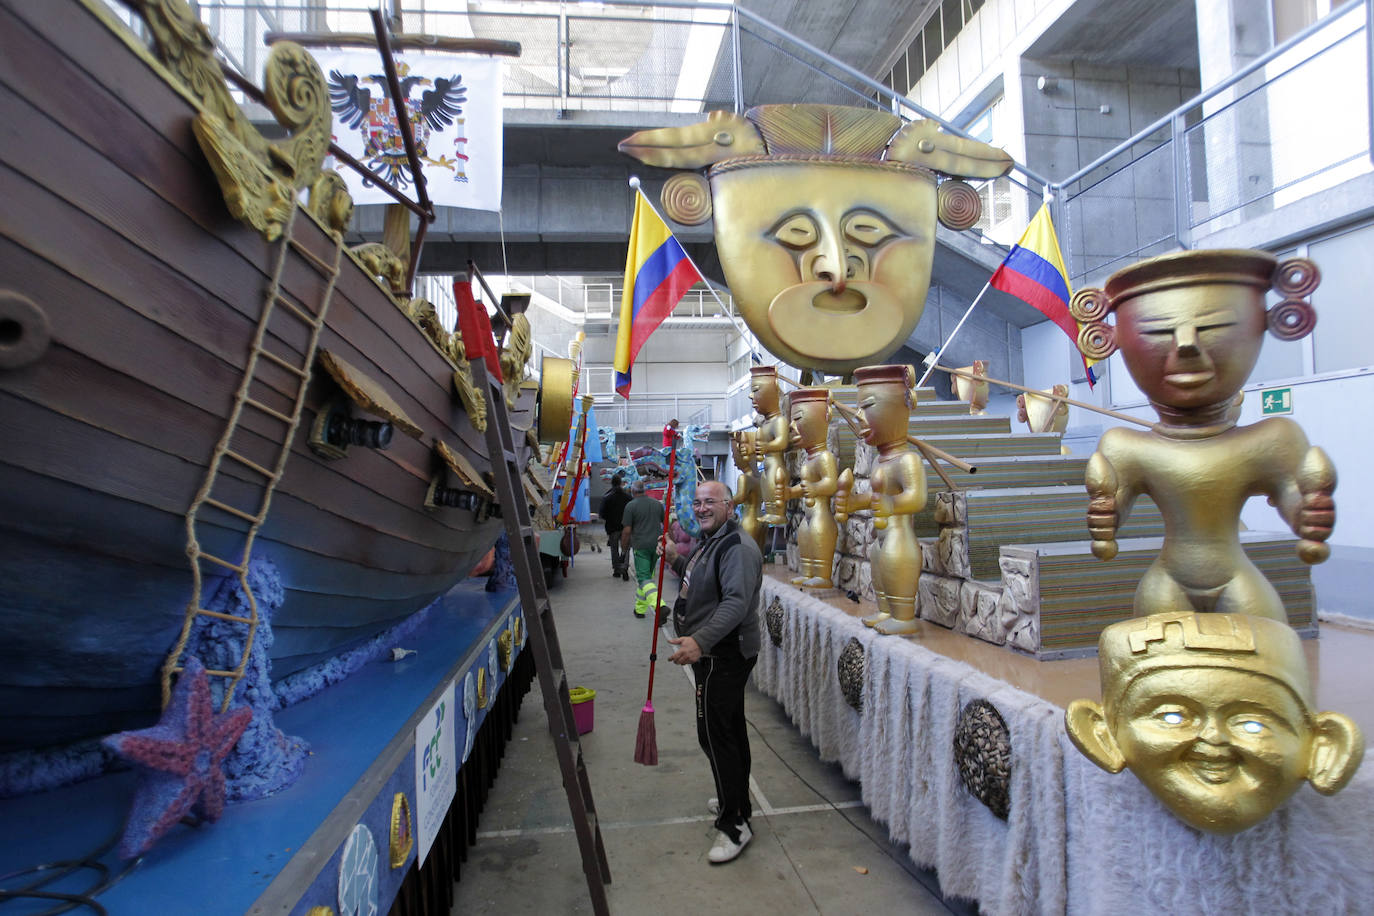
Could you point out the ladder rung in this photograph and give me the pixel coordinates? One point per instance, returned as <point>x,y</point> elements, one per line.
<point>220,672</point>
<point>303,373</point>
<point>230,509</point>
<point>220,615</point>
<point>248,462</point>
<point>259,405</point>
<point>222,562</point>
<point>526,531</point>
<point>509,455</point>
<point>320,264</point>
<point>299,312</point>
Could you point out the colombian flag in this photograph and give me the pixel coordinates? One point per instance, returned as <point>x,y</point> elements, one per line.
<point>658,274</point>
<point>1034,272</point>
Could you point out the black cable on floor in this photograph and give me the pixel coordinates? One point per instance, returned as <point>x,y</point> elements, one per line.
<point>61,869</point>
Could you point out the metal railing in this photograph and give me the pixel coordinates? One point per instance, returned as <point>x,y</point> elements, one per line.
<point>1293,122</point>
<point>652,410</point>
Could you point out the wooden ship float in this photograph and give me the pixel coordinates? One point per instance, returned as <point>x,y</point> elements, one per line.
<point>185,384</point>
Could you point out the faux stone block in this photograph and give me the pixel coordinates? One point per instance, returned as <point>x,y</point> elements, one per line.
<point>978,612</point>
<point>939,600</point>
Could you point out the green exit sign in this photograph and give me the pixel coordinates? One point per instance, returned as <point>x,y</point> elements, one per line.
<point>1275,401</point>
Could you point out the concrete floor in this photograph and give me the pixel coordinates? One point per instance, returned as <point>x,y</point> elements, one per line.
<point>815,848</point>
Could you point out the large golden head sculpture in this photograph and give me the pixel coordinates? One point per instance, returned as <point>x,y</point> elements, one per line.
<point>1214,714</point>
<point>824,219</point>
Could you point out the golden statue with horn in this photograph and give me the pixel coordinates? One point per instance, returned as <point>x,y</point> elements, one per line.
<point>770,441</point>
<point>816,536</point>
<point>1189,327</point>
<point>898,492</point>
<point>824,219</point>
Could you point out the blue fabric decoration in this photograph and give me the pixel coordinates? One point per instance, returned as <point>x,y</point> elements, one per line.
<point>502,576</point>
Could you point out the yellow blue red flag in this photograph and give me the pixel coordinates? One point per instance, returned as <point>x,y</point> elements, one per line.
<point>658,274</point>
<point>1033,271</point>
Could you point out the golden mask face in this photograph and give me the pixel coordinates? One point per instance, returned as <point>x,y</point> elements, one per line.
<point>829,262</point>
<point>764,394</point>
<point>809,423</point>
<point>886,413</point>
<point>1221,749</point>
<point>1189,349</point>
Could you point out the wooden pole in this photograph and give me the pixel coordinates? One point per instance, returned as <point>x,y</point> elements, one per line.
<point>1115,414</point>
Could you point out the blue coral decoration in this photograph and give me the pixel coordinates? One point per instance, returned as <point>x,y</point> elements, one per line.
<point>181,761</point>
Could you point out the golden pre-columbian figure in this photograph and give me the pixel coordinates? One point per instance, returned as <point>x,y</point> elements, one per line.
<point>770,441</point>
<point>747,492</point>
<point>898,483</point>
<point>1214,713</point>
<point>810,409</point>
<point>1189,327</point>
<point>824,219</point>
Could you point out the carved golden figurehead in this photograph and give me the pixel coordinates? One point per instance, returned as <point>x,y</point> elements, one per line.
<point>1189,327</point>
<point>1214,714</point>
<point>817,533</point>
<point>747,492</point>
<point>897,492</point>
<point>824,219</point>
<point>770,441</point>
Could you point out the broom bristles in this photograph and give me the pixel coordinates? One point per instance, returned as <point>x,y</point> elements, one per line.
<point>646,742</point>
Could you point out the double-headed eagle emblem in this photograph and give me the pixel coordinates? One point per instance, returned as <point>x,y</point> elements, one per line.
<point>373,116</point>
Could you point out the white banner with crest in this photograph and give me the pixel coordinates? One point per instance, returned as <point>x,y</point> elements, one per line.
<point>454,102</point>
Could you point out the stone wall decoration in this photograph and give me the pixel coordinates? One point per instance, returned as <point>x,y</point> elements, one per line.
<point>982,753</point>
<point>772,618</point>
<point>851,673</point>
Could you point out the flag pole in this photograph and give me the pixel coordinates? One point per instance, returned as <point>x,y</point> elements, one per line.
<point>933,358</point>
<point>634,183</point>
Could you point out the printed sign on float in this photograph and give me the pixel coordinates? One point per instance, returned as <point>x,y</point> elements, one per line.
<point>1275,401</point>
<point>436,770</point>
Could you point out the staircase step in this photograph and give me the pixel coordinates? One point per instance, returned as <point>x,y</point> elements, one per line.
<point>1080,594</point>
<point>1032,515</point>
<point>1015,472</point>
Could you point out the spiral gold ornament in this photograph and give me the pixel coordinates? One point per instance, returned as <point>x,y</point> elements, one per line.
<point>1097,340</point>
<point>686,199</point>
<point>1089,304</point>
<point>1291,319</point>
<point>1297,277</point>
<point>958,205</point>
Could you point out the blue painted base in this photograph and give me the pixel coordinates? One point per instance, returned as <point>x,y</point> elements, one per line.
<point>227,866</point>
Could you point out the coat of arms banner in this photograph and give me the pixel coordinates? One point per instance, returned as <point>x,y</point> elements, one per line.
<point>454,103</point>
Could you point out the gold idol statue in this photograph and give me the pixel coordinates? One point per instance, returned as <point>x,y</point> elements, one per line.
<point>1214,714</point>
<point>973,390</point>
<point>816,536</point>
<point>747,492</point>
<point>824,219</point>
<point>770,441</point>
<point>898,492</point>
<point>1189,327</point>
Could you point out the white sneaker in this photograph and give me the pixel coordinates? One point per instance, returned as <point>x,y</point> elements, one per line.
<point>726,849</point>
<point>713,806</point>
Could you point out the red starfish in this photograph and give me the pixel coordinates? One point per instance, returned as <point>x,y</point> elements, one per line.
<point>180,761</point>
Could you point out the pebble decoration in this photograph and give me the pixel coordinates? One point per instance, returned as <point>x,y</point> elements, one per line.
<point>982,752</point>
<point>851,673</point>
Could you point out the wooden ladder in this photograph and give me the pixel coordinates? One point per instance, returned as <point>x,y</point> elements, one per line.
<point>264,476</point>
<point>543,635</point>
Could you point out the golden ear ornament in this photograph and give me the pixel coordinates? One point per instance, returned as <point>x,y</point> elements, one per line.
<point>1291,319</point>
<point>686,198</point>
<point>1089,304</point>
<point>1097,340</point>
<point>1297,277</point>
<point>402,834</point>
<point>958,205</point>
<point>503,649</point>
<point>482,687</point>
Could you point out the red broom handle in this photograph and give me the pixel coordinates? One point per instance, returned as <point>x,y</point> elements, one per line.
<point>663,556</point>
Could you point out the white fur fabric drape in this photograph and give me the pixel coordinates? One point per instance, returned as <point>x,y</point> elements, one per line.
<point>1077,840</point>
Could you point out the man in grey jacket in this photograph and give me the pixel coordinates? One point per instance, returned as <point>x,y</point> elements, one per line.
<point>717,623</point>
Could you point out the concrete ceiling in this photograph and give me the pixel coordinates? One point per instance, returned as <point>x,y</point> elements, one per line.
<point>1141,33</point>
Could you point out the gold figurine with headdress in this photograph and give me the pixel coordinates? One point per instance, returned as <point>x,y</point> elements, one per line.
<point>816,536</point>
<point>770,441</point>
<point>898,492</point>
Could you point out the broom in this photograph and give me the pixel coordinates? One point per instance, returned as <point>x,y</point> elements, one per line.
<point>646,742</point>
